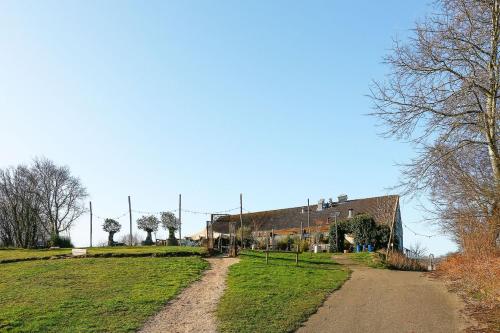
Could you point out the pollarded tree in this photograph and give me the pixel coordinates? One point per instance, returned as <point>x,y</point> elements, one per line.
<point>170,222</point>
<point>111,227</point>
<point>149,224</point>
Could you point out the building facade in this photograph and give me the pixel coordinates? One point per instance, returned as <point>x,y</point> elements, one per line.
<point>316,219</point>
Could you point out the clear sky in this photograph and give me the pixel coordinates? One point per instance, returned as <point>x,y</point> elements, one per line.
<point>205,98</point>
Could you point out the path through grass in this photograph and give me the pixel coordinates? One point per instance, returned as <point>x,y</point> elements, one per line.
<point>278,296</point>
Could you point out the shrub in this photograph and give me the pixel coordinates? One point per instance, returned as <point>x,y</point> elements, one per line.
<point>382,234</point>
<point>478,276</point>
<point>304,246</point>
<point>60,241</point>
<point>475,274</point>
<point>283,243</point>
<point>363,229</point>
<point>261,243</point>
<point>343,227</point>
<point>247,236</point>
<point>399,261</point>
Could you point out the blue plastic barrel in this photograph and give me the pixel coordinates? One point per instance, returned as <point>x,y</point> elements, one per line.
<point>364,247</point>
<point>370,248</point>
<point>358,248</point>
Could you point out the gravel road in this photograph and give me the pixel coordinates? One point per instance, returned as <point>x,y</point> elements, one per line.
<point>381,300</point>
<point>193,310</point>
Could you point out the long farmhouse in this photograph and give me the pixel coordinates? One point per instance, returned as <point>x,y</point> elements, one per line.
<point>316,219</point>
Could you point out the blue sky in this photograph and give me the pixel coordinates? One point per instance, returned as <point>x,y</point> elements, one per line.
<point>204,98</point>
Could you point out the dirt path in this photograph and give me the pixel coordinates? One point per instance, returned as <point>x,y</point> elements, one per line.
<point>193,310</point>
<point>381,300</point>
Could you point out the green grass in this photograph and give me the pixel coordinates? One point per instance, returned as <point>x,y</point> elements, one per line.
<point>370,259</point>
<point>278,296</point>
<point>177,250</point>
<point>90,294</point>
<point>8,255</point>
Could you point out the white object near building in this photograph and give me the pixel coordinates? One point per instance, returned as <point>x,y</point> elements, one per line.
<point>79,252</point>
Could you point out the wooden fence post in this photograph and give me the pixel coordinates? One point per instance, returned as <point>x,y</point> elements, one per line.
<point>267,250</point>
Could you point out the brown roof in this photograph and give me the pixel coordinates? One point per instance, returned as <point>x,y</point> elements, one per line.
<point>382,209</point>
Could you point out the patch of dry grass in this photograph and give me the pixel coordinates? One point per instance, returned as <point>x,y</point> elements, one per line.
<point>399,261</point>
<point>477,279</point>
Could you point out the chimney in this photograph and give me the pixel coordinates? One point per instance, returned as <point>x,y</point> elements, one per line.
<point>350,213</point>
<point>321,204</point>
<point>342,197</point>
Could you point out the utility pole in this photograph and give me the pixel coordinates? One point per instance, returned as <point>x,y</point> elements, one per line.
<point>130,217</point>
<point>180,221</point>
<point>208,222</point>
<point>336,235</point>
<point>90,203</point>
<point>241,218</point>
<point>308,219</point>
<point>300,239</point>
<point>335,214</point>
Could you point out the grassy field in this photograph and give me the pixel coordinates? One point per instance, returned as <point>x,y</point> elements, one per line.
<point>278,296</point>
<point>90,294</point>
<point>17,254</point>
<point>370,259</point>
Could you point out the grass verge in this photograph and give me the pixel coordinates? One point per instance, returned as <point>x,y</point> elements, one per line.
<point>278,296</point>
<point>90,295</point>
<point>370,259</point>
<point>14,255</point>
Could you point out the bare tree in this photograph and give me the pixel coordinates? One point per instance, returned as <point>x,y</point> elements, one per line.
<point>442,93</point>
<point>462,197</point>
<point>19,208</point>
<point>136,239</point>
<point>417,251</point>
<point>61,196</point>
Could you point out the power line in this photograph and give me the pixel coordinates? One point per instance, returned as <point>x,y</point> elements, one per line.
<point>114,218</point>
<point>209,213</point>
<point>189,211</point>
<point>419,234</point>
<point>152,213</point>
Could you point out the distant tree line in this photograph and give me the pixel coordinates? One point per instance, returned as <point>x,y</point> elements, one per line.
<point>38,202</point>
